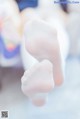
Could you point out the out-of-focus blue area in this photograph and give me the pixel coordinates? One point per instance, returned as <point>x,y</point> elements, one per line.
<point>26,3</point>
<point>5,52</point>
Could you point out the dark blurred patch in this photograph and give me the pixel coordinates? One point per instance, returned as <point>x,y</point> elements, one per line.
<point>64,5</point>
<point>26,3</point>
<point>10,75</point>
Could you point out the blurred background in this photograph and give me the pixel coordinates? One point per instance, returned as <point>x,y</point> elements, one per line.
<point>64,101</point>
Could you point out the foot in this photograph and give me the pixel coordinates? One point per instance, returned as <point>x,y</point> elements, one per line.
<point>38,81</point>
<point>42,43</point>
